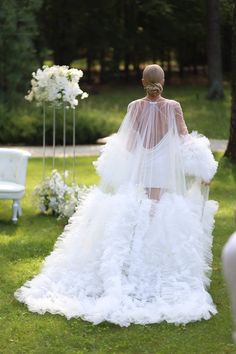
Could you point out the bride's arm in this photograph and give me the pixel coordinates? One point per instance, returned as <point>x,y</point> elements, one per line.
<point>180,122</point>
<point>197,156</point>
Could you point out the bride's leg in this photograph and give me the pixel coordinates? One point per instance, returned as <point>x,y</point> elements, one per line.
<point>154,194</point>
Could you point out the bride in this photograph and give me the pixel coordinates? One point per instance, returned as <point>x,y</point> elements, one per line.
<point>138,249</point>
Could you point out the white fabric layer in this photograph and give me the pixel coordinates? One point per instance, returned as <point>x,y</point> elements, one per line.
<point>197,157</point>
<point>141,152</point>
<point>127,259</point>
<point>126,256</point>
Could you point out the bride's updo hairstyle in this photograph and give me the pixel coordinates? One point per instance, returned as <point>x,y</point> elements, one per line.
<point>153,79</point>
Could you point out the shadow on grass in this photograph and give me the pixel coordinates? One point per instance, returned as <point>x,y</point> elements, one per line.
<point>19,249</point>
<point>10,229</point>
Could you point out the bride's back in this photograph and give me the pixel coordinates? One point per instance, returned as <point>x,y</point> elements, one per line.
<point>152,119</point>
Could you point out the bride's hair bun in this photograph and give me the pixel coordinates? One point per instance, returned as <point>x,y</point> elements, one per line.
<point>154,89</point>
<point>153,78</point>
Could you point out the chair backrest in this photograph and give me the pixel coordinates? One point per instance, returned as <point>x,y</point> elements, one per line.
<point>13,165</point>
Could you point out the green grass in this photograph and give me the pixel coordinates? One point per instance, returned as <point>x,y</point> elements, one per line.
<point>102,113</point>
<point>24,246</point>
<point>210,118</point>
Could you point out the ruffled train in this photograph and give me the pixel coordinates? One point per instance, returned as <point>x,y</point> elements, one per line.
<point>125,259</point>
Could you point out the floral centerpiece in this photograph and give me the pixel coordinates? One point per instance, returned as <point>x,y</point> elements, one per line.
<point>55,197</point>
<point>56,85</point>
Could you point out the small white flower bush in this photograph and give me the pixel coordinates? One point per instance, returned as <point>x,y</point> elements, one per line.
<point>56,85</point>
<point>54,196</point>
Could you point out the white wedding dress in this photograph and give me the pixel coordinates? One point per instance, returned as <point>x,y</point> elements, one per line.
<point>138,249</point>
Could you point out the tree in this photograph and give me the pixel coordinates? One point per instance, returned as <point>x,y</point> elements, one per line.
<point>59,21</point>
<point>215,90</point>
<point>98,33</point>
<point>107,34</point>
<point>226,7</point>
<point>17,32</point>
<point>231,148</point>
<point>190,36</point>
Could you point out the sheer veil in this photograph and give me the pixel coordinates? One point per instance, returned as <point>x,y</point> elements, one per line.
<point>146,150</point>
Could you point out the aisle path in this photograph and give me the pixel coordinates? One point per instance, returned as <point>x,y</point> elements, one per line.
<point>94,150</point>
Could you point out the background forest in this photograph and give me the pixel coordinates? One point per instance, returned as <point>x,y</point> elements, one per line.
<point>111,41</point>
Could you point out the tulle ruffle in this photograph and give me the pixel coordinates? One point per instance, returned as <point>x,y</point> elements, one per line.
<point>125,259</point>
<point>197,157</point>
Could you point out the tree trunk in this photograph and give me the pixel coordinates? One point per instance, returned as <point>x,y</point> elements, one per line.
<point>137,70</point>
<point>102,66</point>
<point>89,67</point>
<point>231,148</point>
<point>215,89</point>
<point>127,62</point>
<point>181,60</point>
<point>116,63</point>
<point>169,66</point>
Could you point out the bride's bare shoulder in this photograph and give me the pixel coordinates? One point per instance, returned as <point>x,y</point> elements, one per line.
<point>135,103</point>
<point>174,103</point>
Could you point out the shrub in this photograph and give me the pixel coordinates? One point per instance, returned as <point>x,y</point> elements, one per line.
<point>23,125</point>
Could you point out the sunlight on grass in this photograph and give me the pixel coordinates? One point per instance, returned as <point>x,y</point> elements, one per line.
<point>101,115</point>
<point>210,118</point>
<point>24,246</point>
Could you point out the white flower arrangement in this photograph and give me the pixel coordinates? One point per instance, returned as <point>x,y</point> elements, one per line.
<point>56,85</point>
<point>54,196</point>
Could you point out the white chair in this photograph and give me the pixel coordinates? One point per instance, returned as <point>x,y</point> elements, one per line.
<point>13,166</point>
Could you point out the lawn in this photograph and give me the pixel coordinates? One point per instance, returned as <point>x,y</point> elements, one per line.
<point>24,246</point>
<point>102,113</point>
<point>211,118</point>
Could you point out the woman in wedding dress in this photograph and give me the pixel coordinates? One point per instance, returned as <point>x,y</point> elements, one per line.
<point>138,249</point>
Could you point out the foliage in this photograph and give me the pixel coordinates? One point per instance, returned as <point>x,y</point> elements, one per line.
<point>231,148</point>
<point>226,11</point>
<point>23,248</point>
<point>102,114</point>
<point>115,38</point>
<point>214,56</point>
<point>129,33</point>
<point>17,32</point>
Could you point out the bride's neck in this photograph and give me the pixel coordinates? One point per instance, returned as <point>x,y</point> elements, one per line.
<point>153,98</point>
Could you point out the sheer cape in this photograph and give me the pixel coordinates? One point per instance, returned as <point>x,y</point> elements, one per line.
<point>154,151</point>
